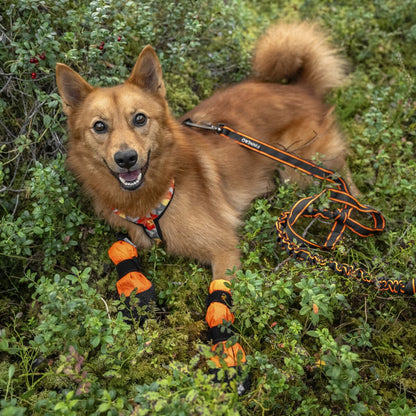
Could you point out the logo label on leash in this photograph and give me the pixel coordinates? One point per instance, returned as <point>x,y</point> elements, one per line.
<point>250,143</point>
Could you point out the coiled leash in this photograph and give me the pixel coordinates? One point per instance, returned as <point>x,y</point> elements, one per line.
<point>293,242</point>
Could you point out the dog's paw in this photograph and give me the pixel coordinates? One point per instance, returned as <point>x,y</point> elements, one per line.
<point>137,307</point>
<point>228,376</point>
<point>137,293</point>
<point>229,365</point>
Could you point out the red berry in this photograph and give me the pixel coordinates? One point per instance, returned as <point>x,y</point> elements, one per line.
<point>33,75</point>
<point>119,38</point>
<point>101,47</point>
<point>42,56</point>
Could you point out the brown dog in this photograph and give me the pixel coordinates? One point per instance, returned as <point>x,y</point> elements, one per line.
<point>126,148</point>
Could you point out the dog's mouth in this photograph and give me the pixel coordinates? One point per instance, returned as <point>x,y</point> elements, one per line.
<point>132,179</point>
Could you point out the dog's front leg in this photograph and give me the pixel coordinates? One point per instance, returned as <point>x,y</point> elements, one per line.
<point>135,290</point>
<point>225,263</point>
<point>220,318</point>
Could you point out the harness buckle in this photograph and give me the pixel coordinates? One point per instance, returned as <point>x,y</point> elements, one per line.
<point>205,126</point>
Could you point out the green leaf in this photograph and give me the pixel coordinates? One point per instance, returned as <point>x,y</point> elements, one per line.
<point>11,371</point>
<point>104,407</point>
<point>96,341</point>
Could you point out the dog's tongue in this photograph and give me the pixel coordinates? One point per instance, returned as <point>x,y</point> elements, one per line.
<point>130,176</point>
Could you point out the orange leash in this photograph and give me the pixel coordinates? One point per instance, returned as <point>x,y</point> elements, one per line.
<point>293,242</point>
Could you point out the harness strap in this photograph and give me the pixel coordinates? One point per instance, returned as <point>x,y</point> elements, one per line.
<point>287,236</point>
<point>150,222</point>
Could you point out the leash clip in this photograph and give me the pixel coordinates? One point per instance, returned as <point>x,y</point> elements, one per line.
<point>205,126</point>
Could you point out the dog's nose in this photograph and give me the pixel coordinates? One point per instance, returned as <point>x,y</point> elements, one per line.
<point>126,158</point>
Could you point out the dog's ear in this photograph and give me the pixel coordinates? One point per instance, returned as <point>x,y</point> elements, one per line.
<point>72,87</point>
<point>147,72</point>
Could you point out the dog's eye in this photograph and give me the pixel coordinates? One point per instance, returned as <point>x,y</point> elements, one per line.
<point>139,120</point>
<point>100,127</point>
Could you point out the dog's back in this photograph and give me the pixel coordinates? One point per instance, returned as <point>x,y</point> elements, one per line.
<point>294,66</point>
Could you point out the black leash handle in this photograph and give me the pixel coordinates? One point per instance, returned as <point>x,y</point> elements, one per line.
<point>293,242</point>
<point>393,286</point>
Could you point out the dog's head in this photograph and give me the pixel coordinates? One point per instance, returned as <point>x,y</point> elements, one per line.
<point>119,129</point>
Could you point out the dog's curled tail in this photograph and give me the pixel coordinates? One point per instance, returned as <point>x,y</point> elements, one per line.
<point>298,53</point>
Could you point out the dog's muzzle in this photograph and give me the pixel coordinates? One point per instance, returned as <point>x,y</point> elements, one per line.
<point>131,175</point>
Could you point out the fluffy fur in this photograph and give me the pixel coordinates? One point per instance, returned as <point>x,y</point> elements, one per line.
<point>215,178</point>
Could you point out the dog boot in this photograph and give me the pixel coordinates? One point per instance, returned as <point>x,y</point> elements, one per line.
<point>138,291</point>
<point>219,302</point>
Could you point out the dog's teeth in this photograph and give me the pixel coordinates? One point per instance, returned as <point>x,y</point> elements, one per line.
<point>131,183</point>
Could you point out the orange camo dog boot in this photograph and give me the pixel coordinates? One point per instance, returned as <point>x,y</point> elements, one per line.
<point>220,318</point>
<point>133,287</point>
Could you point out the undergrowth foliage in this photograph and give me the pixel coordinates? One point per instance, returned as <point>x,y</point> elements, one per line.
<point>316,344</point>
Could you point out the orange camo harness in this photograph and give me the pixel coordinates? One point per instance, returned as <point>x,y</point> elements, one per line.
<point>150,222</point>
<point>293,242</point>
